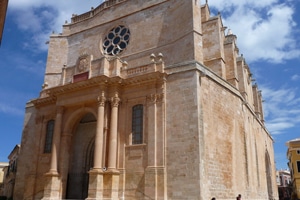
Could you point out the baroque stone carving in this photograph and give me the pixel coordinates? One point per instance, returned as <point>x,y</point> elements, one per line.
<point>115,100</point>
<point>83,63</point>
<point>155,98</point>
<point>101,100</point>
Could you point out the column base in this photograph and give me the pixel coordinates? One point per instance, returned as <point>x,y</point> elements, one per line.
<point>111,184</point>
<point>95,191</point>
<point>52,186</point>
<point>104,185</point>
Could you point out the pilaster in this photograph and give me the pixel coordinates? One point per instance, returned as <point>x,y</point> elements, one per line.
<point>155,182</point>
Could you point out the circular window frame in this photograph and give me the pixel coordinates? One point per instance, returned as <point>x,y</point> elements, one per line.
<point>115,41</point>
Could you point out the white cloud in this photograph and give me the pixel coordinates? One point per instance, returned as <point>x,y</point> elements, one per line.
<point>11,102</point>
<point>23,62</point>
<point>40,18</point>
<point>10,109</point>
<point>227,5</point>
<point>295,77</point>
<point>281,109</point>
<point>264,28</point>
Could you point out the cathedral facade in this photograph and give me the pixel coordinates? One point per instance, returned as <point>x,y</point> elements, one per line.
<point>146,100</point>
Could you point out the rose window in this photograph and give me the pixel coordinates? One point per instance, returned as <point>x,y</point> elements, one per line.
<point>116,40</point>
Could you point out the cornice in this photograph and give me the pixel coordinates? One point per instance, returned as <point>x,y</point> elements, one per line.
<point>49,96</point>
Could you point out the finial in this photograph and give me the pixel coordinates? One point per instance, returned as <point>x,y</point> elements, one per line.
<point>124,65</point>
<point>152,57</point>
<point>45,85</point>
<point>160,57</point>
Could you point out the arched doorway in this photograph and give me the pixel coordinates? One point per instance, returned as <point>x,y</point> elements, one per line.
<point>269,175</point>
<point>81,157</point>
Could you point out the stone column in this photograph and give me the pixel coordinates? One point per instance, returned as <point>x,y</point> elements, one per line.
<point>113,173</point>
<point>56,140</point>
<point>96,174</point>
<point>53,181</point>
<point>98,153</point>
<point>113,147</point>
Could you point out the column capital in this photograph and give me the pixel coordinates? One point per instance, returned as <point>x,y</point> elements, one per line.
<point>101,99</point>
<point>155,98</point>
<point>115,101</point>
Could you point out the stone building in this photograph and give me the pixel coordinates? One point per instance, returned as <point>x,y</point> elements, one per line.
<point>146,100</point>
<point>284,184</point>
<point>10,173</point>
<point>293,155</point>
<point>3,10</point>
<point>3,171</point>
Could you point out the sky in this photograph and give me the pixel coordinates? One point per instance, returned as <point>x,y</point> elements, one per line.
<point>268,36</point>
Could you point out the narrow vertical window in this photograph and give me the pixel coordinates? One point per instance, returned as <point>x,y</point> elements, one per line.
<point>49,136</point>
<point>298,166</point>
<point>137,124</point>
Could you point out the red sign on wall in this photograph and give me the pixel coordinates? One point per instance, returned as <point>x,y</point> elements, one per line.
<point>80,77</point>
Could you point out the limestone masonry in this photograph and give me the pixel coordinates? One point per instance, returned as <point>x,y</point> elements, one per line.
<point>146,100</point>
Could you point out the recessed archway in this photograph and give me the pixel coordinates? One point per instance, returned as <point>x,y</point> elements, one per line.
<point>269,175</point>
<point>81,157</point>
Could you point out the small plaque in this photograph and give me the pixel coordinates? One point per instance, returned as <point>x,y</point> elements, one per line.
<point>80,77</point>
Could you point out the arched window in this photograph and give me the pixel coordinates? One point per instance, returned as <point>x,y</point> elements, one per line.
<point>137,124</point>
<point>49,137</point>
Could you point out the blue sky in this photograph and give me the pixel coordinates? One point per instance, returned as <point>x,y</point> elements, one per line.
<point>268,33</point>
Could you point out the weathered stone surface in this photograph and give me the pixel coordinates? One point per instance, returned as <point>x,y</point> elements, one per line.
<point>203,132</point>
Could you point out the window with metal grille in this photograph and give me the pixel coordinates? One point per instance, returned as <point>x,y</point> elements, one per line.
<point>137,124</point>
<point>116,40</point>
<point>49,137</point>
